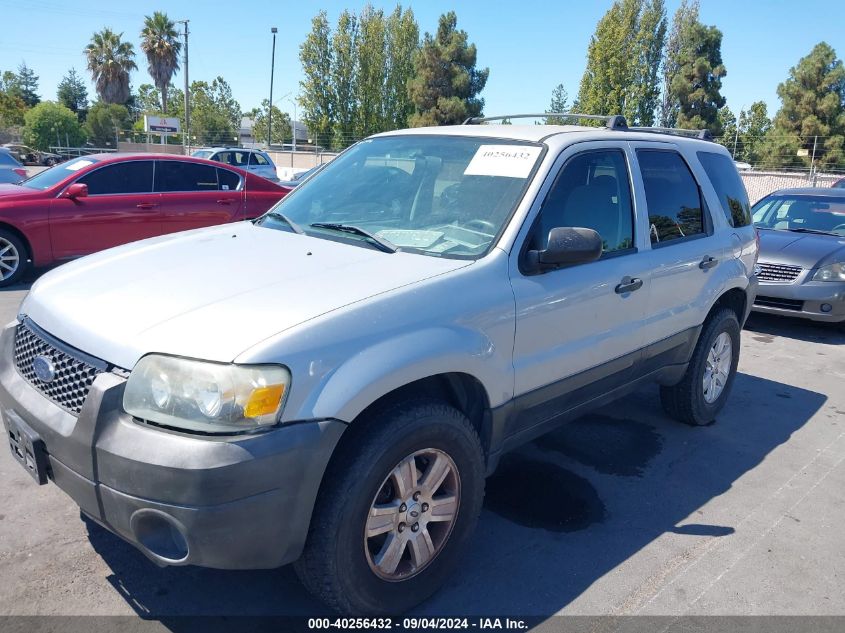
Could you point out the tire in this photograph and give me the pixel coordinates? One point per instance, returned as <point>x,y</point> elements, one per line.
<point>689,401</point>
<point>14,259</point>
<point>339,564</point>
<point>50,162</point>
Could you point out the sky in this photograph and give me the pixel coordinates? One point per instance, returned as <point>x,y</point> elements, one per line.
<point>530,46</point>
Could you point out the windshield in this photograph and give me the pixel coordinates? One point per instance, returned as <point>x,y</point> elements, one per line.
<point>202,153</point>
<point>437,195</point>
<point>50,177</point>
<point>817,214</point>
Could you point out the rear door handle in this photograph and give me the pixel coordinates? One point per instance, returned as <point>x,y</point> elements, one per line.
<point>225,201</point>
<point>146,205</point>
<point>708,262</point>
<point>629,284</point>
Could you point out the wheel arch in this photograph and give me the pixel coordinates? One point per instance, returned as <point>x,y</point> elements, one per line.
<point>11,228</point>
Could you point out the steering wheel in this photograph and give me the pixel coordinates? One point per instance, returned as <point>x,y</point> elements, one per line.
<point>481,225</point>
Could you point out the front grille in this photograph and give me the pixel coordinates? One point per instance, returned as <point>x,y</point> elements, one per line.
<point>777,302</point>
<point>778,272</point>
<point>74,371</point>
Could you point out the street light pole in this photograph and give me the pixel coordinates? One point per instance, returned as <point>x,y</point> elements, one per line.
<point>273,30</point>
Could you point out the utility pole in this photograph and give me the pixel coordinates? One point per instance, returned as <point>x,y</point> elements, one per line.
<point>187,85</point>
<point>273,30</point>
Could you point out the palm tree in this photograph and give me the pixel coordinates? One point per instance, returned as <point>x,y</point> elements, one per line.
<point>110,60</point>
<point>159,40</point>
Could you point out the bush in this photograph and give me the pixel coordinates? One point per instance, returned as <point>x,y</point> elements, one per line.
<point>50,123</point>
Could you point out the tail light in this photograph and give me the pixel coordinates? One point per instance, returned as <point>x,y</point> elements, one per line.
<point>20,171</point>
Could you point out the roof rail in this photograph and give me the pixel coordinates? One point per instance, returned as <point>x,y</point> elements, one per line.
<point>611,122</point>
<point>702,134</point>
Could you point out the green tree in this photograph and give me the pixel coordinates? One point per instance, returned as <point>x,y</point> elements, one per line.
<point>686,15</point>
<point>559,103</point>
<point>446,84</point>
<point>317,95</point>
<point>104,123</point>
<point>50,123</point>
<point>344,79</point>
<point>403,41</point>
<point>754,125</point>
<point>812,113</point>
<point>282,129</point>
<point>73,94</point>
<point>110,61</point>
<point>215,115</point>
<point>148,101</point>
<point>730,129</point>
<point>623,62</point>
<point>12,106</point>
<point>371,54</point>
<point>697,84</point>
<point>160,43</point>
<point>27,85</point>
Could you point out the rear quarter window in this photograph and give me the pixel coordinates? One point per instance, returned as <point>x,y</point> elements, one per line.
<point>728,185</point>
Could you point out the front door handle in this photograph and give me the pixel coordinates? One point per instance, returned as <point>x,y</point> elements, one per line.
<point>708,262</point>
<point>629,284</point>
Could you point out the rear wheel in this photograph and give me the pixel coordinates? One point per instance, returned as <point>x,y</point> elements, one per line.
<point>396,510</point>
<point>705,387</point>
<point>13,258</point>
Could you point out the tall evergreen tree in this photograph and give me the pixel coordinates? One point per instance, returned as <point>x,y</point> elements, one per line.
<point>559,103</point>
<point>73,94</point>
<point>403,41</point>
<point>28,85</point>
<point>317,98</point>
<point>446,84</point>
<point>371,54</point>
<point>686,15</point>
<point>623,62</point>
<point>344,79</point>
<point>697,84</point>
<point>812,114</point>
<point>754,125</point>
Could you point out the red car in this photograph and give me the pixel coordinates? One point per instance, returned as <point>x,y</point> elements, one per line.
<point>104,200</point>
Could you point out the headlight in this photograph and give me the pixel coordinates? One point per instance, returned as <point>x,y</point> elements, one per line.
<point>831,272</point>
<point>208,397</point>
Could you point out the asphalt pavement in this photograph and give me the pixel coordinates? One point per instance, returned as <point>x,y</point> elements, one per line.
<point>622,512</point>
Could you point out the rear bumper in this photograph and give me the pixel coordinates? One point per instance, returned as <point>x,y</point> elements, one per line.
<point>233,503</point>
<point>803,300</point>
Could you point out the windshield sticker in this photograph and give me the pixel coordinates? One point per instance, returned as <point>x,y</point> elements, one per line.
<point>510,161</point>
<point>79,164</point>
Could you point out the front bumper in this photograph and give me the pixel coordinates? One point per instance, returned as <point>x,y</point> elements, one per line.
<point>228,503</point>
<point>802,299</point>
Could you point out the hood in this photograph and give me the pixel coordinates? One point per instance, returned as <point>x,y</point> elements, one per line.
<point>211,293</point>
<point>798,249</point>
<point>9,193</point>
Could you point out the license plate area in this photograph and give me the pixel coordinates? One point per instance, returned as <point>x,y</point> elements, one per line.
<point>27,448</point>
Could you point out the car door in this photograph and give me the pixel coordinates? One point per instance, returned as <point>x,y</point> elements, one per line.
<point>261,165</point>
<point>579,328</point>
<point>120,207</point>
<point>682,250</point>
<point>194,197</point>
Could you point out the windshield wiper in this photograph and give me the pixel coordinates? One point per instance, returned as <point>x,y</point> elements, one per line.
<point>383,244</point>
<point>296,228</point>
<point>803,230</point>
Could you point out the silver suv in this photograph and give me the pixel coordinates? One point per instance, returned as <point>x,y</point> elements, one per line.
<point>253,160</point>
<point>331,383</point>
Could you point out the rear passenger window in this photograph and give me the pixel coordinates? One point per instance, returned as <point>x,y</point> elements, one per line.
<point>174,175</point>
<point>258,159</point>
<point>728,185</point>
<point>128,177</point>
<point>673,197</point>
<point>591,191</point>
<point>228,180</point>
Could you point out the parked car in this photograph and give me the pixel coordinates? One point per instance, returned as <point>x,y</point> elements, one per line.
<point>802,254</point>
<point>331,383</point>
<point>252,160</point>
<point>299,177</point>
<point>103,200</point>
<point>28,156</point>
<point>11,171</point>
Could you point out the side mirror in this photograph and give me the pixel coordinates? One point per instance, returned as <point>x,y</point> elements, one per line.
<point>567,245</point>
<point>76,190</point>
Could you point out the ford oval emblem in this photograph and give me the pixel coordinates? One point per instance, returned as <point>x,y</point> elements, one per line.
<point>44,368</point>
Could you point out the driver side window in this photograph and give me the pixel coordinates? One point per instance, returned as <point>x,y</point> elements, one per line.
<point>591,191</point>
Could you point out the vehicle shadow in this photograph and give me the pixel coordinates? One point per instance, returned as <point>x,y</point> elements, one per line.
<point>559,514</point>
<point>798,329</point>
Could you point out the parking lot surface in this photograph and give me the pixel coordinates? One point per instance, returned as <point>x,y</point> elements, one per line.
<point>621,512</point>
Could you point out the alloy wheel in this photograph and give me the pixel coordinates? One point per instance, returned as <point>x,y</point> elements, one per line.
<point>10,259</point>
<point>717,367</point>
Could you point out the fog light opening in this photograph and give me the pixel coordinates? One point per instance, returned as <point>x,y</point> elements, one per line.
<point>160,535</point>
<point>826,307</point>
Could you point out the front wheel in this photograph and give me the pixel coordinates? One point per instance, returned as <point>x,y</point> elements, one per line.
<point>14,261</point>
<point>704,389</point>
<point>396,510</point>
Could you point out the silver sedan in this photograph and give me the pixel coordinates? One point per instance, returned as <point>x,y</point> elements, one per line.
<point>802,254</point>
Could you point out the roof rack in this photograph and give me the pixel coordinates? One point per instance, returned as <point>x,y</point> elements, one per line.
<point>702,134</point>
<point>612,122</point>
